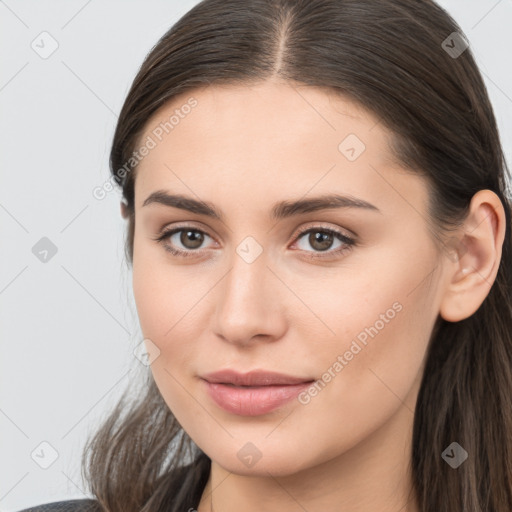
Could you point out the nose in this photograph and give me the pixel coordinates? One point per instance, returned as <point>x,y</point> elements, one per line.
<point>250,303</point>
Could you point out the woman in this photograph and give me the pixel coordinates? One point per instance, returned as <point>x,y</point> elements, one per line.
<point>319,229</point>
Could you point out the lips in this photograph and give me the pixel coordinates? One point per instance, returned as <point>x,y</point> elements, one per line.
<point>254,378</point>
<point>254,393</point>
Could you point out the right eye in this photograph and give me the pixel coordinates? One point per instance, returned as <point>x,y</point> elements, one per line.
<point>189,237</point>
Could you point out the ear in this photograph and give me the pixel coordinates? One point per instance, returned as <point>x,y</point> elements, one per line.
<point>478,254</point>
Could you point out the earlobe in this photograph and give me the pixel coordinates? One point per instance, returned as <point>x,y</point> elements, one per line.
<point>472,273</point>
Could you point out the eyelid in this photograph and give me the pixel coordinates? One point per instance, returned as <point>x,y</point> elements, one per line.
<point>349,240</point>
<point>183,226</point>
<point>168,231</point>
<point>323,226</point>
<point>300,231</point>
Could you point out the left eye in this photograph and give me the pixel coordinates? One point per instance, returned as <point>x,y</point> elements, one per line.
<point>321,239</point>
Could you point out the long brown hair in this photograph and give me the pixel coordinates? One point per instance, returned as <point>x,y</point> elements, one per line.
<point>391,57</point>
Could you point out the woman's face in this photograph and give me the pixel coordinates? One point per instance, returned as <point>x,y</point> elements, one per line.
<point>251,292</point>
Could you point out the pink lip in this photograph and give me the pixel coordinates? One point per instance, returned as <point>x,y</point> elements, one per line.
<point>252,401</point>
<point>262,391</point>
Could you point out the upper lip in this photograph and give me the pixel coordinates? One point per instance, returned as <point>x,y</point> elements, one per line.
<point>253,378</point>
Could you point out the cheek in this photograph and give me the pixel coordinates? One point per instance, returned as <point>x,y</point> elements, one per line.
<point>162,293</point>
<point>163,319</point>
<point>390,296</point>
<point>382,323</point>
<point>152,307</point>
<point>170,306</point>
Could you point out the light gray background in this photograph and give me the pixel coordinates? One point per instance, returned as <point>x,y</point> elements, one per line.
<point>69,326</point>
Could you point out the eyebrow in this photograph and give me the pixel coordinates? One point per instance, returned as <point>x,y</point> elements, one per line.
<point>280,210</point>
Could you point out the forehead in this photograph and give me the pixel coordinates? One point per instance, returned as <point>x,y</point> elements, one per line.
<point>269,139</point>
<point>264,108</point>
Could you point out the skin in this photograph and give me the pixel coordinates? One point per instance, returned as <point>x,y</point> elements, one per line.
<point>243,148</point>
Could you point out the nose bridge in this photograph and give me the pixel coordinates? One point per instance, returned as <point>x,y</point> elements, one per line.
<point>247,302</point>
<point>247,278</point>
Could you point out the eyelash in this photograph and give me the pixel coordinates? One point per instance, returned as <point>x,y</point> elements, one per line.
<point>349,242</point>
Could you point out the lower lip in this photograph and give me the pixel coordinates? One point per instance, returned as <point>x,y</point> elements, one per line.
<point>253,401</point>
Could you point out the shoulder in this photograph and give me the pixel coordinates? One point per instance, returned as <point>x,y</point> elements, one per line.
<point>81,505</point>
